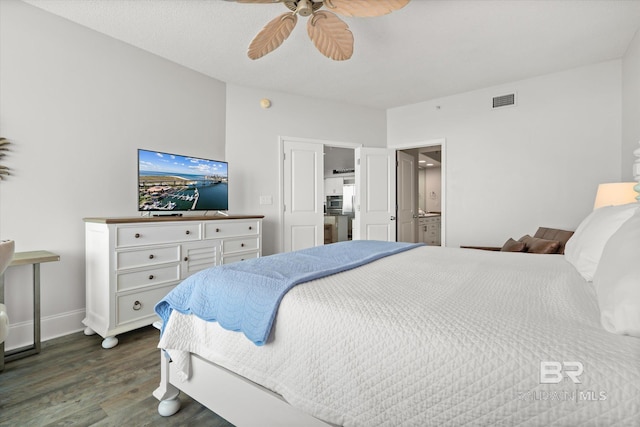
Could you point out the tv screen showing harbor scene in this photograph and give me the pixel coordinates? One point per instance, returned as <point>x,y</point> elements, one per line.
<point>171,182</point>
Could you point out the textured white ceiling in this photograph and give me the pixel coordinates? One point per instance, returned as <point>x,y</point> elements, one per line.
<point>427,50</point>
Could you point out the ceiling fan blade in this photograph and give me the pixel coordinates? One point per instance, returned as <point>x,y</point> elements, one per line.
<point>331,35</point>
<point>272,35</point>
<point>257,1</point>
<point>364,8</point>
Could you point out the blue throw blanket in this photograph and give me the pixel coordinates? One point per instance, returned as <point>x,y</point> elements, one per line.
<point>245,296</point>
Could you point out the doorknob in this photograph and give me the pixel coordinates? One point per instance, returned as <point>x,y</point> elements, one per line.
<point>393,218</point>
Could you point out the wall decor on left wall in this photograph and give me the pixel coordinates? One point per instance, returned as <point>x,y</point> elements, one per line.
<point>4,146</point>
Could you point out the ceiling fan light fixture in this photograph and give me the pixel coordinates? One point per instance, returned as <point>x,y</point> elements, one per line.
<point>304,8</point>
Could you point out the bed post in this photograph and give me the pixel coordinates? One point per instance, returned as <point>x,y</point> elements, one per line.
<point>166,393</point>
<point>636,172</point>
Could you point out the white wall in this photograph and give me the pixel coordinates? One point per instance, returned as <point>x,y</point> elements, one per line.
<point>517,168</point>
<point>336,158</point>
<point>77,105</point>
<point>253,149</point>
<point>433,185</point>
<point>630,106</point>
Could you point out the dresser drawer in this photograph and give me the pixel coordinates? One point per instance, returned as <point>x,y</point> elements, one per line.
<point>222,228</point>
<point>137,235</point>
<point>148,277</point>
<point>147,257</point>
<point>239,245</point>
<point>240,257</point>
<point>139,305</point>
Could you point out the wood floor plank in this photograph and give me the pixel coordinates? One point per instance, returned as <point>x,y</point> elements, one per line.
<point>75,382</point>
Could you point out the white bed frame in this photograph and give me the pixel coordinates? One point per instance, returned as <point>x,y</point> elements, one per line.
<point>227,394</point>
<point>235,398</point>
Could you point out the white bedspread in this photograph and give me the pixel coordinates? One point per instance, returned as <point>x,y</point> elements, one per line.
<point>433,337</point>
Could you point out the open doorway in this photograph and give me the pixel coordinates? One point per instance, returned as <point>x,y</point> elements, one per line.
<point>339,193</point>
<point>304,196</point>
<point>304,189</point>
<point>420,194</point>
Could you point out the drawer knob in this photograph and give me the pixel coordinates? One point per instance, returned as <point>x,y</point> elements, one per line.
<point>250,228</point>
<point>217,230</point>
<point>151,256</point>
<point>137,305</point>
<point>242,245</point>
<point>186,258</point>
<point>188,232</point>
<point>151,277</point>
<point>137,235</point>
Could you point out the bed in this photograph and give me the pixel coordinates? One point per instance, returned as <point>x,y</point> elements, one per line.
<point>432,336</point>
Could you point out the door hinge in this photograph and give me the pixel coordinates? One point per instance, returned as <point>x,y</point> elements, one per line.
<point>284,208</point>
<point>284,156</point>
<point>358,161</point>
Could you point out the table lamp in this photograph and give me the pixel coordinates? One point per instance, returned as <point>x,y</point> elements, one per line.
<point>615,193</point>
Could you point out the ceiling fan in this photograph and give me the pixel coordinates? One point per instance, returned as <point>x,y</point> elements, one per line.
<point>329,33</point>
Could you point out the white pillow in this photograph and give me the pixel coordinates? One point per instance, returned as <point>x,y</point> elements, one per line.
<point>617,280</point>
<point>584,248</point>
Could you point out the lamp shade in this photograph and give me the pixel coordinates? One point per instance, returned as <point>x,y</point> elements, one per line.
<point>615,193</point>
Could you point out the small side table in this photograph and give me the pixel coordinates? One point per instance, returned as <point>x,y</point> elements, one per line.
<point>483,248</point>
<point>24,258</point>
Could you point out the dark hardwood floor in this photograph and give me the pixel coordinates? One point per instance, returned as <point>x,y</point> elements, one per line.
<point>75,382</point>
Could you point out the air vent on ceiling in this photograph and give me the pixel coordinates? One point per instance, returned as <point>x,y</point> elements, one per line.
<point>504,100</point>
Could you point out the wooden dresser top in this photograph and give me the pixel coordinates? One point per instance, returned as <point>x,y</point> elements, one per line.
<point>165,218</point>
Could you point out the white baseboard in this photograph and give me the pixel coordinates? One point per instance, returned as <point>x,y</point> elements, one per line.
<point>21,334</point>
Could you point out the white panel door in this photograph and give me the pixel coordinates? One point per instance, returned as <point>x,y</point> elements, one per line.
<point>407,201</point>
<point>303,184</point>
<point>375,194</point>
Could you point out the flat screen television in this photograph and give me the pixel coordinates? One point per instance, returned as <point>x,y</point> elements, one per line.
<point>172,182</point>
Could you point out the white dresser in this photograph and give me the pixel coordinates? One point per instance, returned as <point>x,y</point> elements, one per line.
<point>132,263</point>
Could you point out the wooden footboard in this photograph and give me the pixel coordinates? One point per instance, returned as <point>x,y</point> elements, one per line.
<point>235,398</point>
